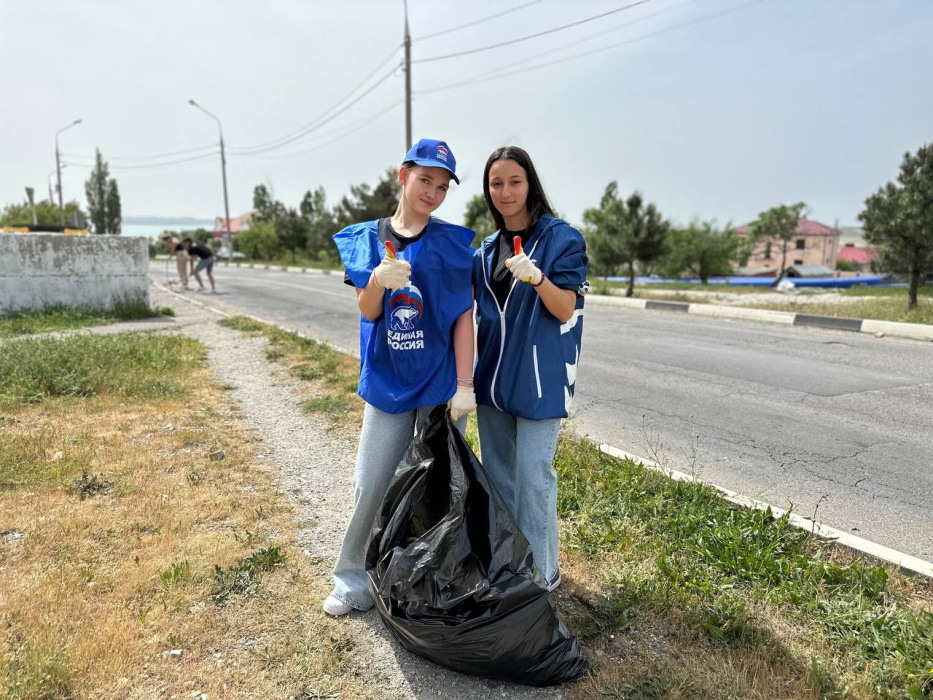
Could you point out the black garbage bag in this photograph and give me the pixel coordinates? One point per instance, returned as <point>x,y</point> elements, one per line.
<point>452,575</point>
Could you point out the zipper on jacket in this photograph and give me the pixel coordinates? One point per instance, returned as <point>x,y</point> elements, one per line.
<point>534,355</point>
<point>501,310</point>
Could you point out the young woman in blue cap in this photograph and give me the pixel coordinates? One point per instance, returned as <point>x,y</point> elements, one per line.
<point>529,314</point>
<point>412,275</point>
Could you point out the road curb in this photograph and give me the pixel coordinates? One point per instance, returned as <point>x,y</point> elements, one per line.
<point>912,331</point>
<point>858,545</point>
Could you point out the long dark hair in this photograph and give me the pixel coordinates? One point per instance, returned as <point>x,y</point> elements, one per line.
<point>537,203</point>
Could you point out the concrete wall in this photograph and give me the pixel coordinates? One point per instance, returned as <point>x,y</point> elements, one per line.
<point>43,269</point>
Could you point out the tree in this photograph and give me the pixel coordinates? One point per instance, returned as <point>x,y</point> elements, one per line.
<point>103,199</point>
<point>258,242</point>
<point>702,249</point>
<point>365,203</point>
<point>777,226</point>
<point>266,208</point>
<point>623,233</point>
<point>291,232</point>
<point>321,226</point>
<point>201,235</point>
<point>46,214</point>
<point>114,217</point>
<point>478,218</point>
<point>898,220</point>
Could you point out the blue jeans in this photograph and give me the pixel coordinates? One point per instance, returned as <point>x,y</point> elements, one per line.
<point>383,441</point>
<point>517,455</point>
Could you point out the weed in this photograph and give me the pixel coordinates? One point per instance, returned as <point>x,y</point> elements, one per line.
<point>34,671</point>
<point>341,645</point>
<point>177,573</point>
<point>829,687</point>
<point>243,578</point>
<point>94,485</point>
<point>653,687</point>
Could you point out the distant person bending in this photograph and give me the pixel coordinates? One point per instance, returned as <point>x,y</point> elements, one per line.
<point>175,248</point>
<point>206,262</point>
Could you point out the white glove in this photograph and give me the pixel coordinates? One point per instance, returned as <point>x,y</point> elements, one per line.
<point>392,273</point>
<point>462,403</point>
<point>523,269</point>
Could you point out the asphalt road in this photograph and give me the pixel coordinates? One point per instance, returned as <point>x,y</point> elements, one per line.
<point>836,423</point>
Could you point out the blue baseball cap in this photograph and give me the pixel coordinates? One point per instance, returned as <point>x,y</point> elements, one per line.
<point>432,153</point>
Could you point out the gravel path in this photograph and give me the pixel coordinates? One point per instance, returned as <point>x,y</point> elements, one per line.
<point>315,468</point>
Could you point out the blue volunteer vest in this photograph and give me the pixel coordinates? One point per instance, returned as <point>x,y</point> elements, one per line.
<point>406,355</point>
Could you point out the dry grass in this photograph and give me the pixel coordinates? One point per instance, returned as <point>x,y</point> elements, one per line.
<point>96,591</point>
<point>328,378</point>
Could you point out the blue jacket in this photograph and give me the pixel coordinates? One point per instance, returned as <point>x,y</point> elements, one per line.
<point>406,355</point>
<point>527,359</point>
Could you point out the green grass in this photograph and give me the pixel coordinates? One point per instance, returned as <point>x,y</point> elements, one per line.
<point>62,318</point>
<point>898,292</point>
<point>883,308</point>
<point>130,364</point>
<point>333,407</point>
<point>679,546</point>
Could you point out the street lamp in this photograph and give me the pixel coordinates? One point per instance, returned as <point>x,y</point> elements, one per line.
<point>51,191</point>
<point>58,167</point>
<point>228,241</point>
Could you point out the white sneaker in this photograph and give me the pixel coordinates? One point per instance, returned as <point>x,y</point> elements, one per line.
<point>335,607</point>
<point>199,290</point>
<point>554,582</point>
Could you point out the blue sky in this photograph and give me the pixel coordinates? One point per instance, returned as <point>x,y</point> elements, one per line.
<point>747,106</point>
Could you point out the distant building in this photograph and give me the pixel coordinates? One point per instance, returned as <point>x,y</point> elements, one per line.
<point>813,244</point>
<point>237,224</point>
<point>863,257</point>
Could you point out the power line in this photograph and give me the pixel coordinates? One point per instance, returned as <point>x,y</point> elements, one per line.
<point>317,121</point>
<point>149,166</point>
<point>532,36</point>
<point>556,49</point>
<point>496,75</point>
<point>211,150</point>
<point>344,132</point>
<point>155,156</point>
<point>475,22</point>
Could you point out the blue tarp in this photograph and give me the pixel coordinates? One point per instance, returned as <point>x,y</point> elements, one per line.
<point>825,282</point>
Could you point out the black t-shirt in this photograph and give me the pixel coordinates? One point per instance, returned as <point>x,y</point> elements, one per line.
<point>501,280</point>
<point>202,251</point>
<point>387,233</point>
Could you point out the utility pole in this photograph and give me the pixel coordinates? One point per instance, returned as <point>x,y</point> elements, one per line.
<point>58,167</point>
<point>228,239</point>
<point>408,140</point>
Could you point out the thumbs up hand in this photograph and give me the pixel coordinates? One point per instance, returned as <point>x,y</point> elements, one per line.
<point>523,268</point>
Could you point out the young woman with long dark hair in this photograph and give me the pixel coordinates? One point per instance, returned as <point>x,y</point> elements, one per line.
<point>412,278</point>
<point>529,315</point>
